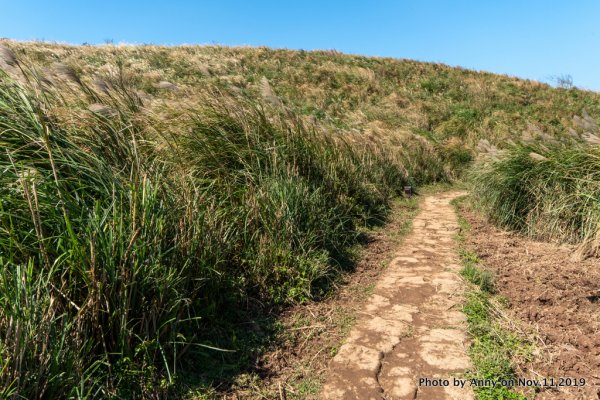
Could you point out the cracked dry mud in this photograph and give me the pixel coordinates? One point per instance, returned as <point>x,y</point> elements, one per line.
<point>412,326</point>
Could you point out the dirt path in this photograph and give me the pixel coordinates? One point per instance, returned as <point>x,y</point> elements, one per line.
<point>412,326</point>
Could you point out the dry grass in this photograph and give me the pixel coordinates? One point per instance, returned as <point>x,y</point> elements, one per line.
<point>452,107</point>
<point>148,191</point>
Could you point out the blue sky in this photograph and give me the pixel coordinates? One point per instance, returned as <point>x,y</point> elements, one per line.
<point>529,38</point>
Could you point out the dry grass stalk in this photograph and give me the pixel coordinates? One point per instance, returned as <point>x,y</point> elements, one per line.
<point>8,56</point>
<point>267,92</point>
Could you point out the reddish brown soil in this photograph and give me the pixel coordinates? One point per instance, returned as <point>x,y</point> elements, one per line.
<point>558,299</point>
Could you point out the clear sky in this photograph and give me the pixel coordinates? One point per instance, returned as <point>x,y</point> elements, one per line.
<point>529,38</point>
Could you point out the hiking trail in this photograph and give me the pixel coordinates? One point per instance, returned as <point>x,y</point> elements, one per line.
<point>412,326</point>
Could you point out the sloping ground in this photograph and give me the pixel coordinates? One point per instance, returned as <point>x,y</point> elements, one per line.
<point>412,327</point>
<point>374,99</point>
<point>193,179</point>
<point>556,298</point>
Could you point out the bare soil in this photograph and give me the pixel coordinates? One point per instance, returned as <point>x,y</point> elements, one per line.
<point>558,300</point>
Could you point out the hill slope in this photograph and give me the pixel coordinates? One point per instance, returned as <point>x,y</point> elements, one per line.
<point>148,191</point>
<point>366,97</point>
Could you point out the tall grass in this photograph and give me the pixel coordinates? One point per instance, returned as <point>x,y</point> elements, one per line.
<point>549,191</point>
<point>375,98</point>
<point>119,243</point>
<point>134,214</point>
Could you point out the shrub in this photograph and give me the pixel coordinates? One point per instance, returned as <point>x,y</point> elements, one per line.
<point>549,191</point>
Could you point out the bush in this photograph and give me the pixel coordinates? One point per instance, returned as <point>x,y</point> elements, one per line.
<point>548,191</point>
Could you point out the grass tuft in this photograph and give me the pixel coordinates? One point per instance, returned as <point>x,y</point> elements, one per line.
<point>552,195</point>
<point>121,245</point>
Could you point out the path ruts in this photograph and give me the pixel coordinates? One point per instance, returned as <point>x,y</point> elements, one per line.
<point>412,326</point>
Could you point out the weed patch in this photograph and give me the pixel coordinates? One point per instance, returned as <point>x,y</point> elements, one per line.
<point>549,191</point>
<point>494,346</point>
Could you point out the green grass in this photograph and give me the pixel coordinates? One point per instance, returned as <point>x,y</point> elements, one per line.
<point>492,349</point>
<point>259,330</point>
<point>138,223</point>
<point>126,252</point>
<point>546,190</point>
<point>494,346</point>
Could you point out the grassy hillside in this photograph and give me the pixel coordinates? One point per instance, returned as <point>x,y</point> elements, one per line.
<point>148,192</point>
<point>367,98</point>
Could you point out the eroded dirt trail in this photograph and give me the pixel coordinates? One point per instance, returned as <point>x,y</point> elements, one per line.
<point>412,326</point>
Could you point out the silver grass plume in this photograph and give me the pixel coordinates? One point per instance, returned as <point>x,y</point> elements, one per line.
<point>591,138</point>
<point>102,85</point>
<point>167,85</point>
<point>102,110</point>
<point>537,157</point>
<point>8,56</point>
<point>66,72</point>
<point>267,92</point>
<point>585,122</point>
<point>484,146</point>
